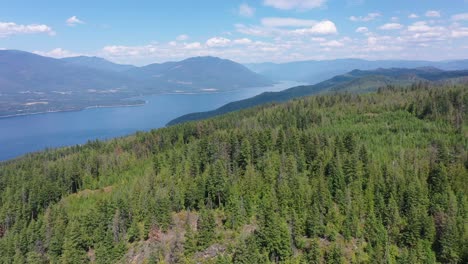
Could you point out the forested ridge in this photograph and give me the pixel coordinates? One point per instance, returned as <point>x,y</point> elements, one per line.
<point>343,178</point>
<point>356,81</point>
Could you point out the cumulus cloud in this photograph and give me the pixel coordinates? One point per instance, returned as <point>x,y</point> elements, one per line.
<point>286,39</point>
<point>362,30</point>
<point>460,32</point>
<point>433,13</point>
<point>391,26</point>
<point>318,39</point>
<point>369,17</point>
<point>256,30</point>
<point>325,27</point>
<point>193,45</point>
<point>294,4</point>
<point>57,53</point>
<point>287,22</point>
<point>332,44</point>
<point>420,26</point>
<point>239,49</point>
<point>218,42</point>
<point>73,21</point>
<point>413,16</point>
<point>246,11</point>
<point>459,17</point>
<point>9,29</point>
<point>182,37</point>
<point>242,41</point>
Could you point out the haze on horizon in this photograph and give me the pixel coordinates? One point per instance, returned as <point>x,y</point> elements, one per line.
<point>243,31</point>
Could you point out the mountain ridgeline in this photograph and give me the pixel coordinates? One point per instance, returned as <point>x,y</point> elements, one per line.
<point>317,71</point>
<point>97,63</point>
<point>30,83</point>
<point>332,178</point>
<point>356,81</point>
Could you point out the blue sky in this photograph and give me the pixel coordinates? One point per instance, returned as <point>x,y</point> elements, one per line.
<point>142,32</point>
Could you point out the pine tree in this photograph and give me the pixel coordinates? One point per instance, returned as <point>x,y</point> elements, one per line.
<point>247,252</point>
<point>206,229</point>
<point>190,244</point>
<point>73,248</point>
<point>274,236</point>
<point>334,255</point>
<point>313,255</point>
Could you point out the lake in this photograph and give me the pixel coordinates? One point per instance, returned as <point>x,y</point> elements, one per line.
<point>23,134</point>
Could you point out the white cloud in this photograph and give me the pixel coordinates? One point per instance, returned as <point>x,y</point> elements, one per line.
<point>193,45</point>
<point>413,16</point>
<point>391,26</point>
<point>325,27</point>
<point>287,22</point>
<point>242,41</point>
<point>294,4</point>
<point>285,40</point>
<point>395,19</point>
<point>332,44</point>
<point>73,21</point>
<point>57,53</point>
<point>218,42</point>
<point>318,39</point>
<point>433,13</point>
<point>369,17</point>
<point>420,26</point>
<point>255,30</point>
<point>458,17</point>
<point>9,29</point>
<point>362,30</point>
<point>425,32</point>
<point>460,32</point>
<point>182,37</point>
<point>381,44</point>
<point>246,11</point>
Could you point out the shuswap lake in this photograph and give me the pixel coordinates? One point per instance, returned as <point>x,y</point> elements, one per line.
<point>22,134</point>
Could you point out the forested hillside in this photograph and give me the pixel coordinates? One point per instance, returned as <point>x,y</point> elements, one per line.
<point>356,81</point>
<point>345,178</point>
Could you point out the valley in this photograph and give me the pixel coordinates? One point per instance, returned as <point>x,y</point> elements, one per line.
<point>234,132</point>
<point>28,133</point>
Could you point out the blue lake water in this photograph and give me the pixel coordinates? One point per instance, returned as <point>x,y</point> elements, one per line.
<point>23,134</point>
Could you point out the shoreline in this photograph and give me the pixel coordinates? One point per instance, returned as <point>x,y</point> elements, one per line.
<point>139,98</point>
<point>112,106</point>
<point>74,110</point>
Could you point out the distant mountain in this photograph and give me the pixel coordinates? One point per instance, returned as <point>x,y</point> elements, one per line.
<point>27,71</point>
<point>30,83</point>
<point>97,63</point>
<point>200,73</point>
<point>317,71</point>
<point>23,71</point>
<point>356,81</point>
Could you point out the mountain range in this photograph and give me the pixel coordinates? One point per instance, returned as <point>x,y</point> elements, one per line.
<point>31,83</point>
<point>316,71</point>
<point>356,81</point>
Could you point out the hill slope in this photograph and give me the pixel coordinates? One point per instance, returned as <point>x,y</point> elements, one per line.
<point>343,178</point>
<point>356,81</point>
